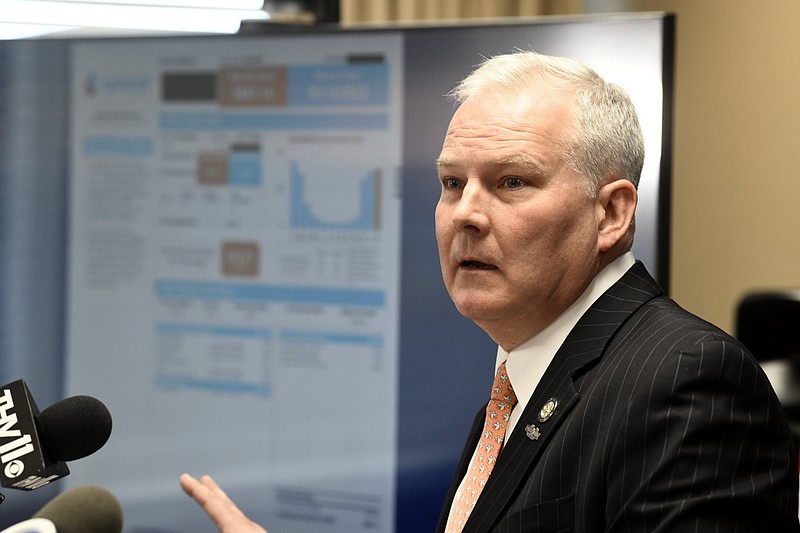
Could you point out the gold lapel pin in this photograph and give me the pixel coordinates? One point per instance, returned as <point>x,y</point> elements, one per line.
<point>547,410</point>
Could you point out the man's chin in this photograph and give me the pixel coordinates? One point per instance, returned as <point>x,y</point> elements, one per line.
<point>477,309</point>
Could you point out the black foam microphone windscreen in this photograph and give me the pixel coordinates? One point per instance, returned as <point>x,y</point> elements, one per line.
<point>34,446</point>
<point>74,427</point>
<point>84,509</point>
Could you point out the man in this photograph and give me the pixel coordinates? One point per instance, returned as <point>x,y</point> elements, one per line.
<point>619,411</point>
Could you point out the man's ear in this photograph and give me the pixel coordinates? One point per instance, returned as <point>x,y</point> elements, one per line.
<point>616,206</point>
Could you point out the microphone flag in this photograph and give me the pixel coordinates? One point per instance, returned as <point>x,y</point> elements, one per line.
<point>24,463</point>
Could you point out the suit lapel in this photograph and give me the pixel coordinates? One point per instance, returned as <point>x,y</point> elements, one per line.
<point>584,345</point>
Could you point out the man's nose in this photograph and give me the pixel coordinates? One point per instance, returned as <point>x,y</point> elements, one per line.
<point>471,211</point>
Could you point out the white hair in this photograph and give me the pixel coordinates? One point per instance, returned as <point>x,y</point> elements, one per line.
<point>608,139</point>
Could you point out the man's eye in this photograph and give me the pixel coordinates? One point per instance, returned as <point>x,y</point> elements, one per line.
<point>451,183</point>
<point>514,183</point>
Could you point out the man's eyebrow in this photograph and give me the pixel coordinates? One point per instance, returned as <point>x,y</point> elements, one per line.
<point>521,161</point>
<point>444,162</point>
<point>516,161</point>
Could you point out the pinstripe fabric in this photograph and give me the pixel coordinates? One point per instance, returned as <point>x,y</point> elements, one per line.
<point>664,423</point>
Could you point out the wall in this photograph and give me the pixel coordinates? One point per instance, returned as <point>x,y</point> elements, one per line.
<point>378,11</point>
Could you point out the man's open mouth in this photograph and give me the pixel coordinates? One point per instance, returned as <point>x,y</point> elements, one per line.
<point>478,265</point>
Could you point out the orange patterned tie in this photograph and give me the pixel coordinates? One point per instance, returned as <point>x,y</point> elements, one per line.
<point>491,441</point>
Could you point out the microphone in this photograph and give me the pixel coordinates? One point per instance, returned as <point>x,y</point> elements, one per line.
<point>85,509</point>
<point>34,446</point>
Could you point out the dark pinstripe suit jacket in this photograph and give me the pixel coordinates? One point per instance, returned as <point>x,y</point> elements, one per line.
<point>664,423</point>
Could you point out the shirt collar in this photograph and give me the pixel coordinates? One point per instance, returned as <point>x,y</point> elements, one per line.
<point>527,363</point>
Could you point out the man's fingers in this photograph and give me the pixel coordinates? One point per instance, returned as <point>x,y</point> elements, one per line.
<point>194,488</point>
<point>217,505</point>
<point>208,482</point>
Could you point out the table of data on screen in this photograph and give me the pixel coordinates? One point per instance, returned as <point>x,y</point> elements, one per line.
<point>234,252</point>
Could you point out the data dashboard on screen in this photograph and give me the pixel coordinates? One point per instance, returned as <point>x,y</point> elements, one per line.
<point>253,284</point>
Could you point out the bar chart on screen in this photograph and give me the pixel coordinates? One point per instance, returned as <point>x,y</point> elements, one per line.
<point>335,202</point>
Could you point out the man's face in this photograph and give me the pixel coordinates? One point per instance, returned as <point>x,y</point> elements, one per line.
<point>516,229</point>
